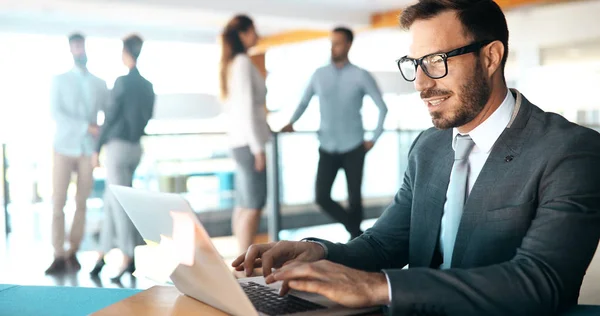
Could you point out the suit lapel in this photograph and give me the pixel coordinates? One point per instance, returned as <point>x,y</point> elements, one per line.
<point>506,149</point>
<point>435,198</point>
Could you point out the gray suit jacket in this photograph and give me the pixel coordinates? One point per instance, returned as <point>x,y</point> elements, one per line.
<point>530,226</point>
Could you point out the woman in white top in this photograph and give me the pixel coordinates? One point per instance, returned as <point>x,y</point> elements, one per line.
<point>243,94</point>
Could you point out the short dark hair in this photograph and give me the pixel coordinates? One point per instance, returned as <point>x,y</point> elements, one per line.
<point>132,44</point>
<point>482,19</point>
<point>76,37</point>
<point>346,31</point>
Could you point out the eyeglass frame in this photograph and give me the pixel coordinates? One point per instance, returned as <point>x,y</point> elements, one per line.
<point>467,49</point>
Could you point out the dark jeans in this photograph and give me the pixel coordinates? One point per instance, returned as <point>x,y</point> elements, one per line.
<point>329,164</point>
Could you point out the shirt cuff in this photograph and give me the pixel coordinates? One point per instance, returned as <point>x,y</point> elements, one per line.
<point>389,287</point>
<point>320,244</point>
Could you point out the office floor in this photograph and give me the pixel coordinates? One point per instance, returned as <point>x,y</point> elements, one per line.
<point>27,253</point>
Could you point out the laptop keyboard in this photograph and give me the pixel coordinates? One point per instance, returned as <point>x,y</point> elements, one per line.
<point>267,301</point>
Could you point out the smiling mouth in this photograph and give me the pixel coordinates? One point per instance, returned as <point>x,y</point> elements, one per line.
<point>435,102</point>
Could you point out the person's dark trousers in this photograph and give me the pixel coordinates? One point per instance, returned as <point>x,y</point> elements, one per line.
<point>329,164</point>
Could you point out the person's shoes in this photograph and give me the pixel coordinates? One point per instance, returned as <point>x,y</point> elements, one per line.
<point>74,263</point>
<point>58,266</point>
<point>130,268</point>
<point>99,265</point>
<point>96,280</point>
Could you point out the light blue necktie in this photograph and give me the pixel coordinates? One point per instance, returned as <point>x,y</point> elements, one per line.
<point>456,196</point>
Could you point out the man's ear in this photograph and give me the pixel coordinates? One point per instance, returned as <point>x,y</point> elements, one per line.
<point>492,55</point>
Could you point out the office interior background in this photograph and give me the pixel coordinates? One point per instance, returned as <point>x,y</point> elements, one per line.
<point>554,60</point>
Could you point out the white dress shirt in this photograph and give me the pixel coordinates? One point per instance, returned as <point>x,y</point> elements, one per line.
<point>76,98</point>
<point>245,105</point>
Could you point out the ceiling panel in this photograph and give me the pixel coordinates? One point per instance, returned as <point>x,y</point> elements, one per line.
<point>193,16</point>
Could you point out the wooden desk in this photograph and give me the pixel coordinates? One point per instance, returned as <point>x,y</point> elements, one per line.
<point>163,301</point>
<point>160,301</point>
<point>166,300</point>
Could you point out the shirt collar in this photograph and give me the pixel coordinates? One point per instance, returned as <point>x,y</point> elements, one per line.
<point>80,71</point>
<point>346,65</point>
<point>487,133</point>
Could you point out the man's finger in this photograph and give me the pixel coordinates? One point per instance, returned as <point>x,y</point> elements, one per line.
<point>253,253</point>
<point>288,265</point>
<point>239,260</point>
<point>285,288</point>
<point>257,264</point>
<point>272,257</point>
<point>267,262</point>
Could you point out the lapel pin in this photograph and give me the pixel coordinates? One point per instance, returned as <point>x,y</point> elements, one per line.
<point>509,158</point>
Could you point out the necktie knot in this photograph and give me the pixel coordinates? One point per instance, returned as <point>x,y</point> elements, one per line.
<point>464,145</point>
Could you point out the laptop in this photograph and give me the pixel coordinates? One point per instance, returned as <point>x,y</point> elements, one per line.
<point>209,280</point>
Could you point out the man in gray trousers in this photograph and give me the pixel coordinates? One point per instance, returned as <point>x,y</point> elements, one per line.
<point>126,118</point>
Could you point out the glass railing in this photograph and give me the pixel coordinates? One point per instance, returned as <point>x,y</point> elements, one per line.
<point>199,167</point>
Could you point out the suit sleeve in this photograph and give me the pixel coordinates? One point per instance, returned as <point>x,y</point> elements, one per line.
<point>546,273</point>
<point>385,245</point>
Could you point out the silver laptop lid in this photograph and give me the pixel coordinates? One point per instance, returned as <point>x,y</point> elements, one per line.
<point>208,280</point>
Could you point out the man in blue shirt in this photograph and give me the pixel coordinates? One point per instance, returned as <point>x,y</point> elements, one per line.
<point>341,87</point>
<point>76,98</point>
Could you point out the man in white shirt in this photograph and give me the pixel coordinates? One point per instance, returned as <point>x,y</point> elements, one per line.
<point>77,97</point>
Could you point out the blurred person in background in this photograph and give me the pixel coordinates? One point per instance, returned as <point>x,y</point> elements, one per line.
<point>76,98</point>
<point>341,87</point>
<point>131,107</point>
<point>243,93</point>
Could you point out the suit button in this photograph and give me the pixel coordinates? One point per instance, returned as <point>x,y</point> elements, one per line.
<point>509,158</point>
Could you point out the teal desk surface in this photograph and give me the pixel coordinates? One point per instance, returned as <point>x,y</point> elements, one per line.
<point>16,300</point>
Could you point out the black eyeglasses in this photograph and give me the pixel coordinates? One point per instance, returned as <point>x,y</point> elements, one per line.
<point>435,65</point>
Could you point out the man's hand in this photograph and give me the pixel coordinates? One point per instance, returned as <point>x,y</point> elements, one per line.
<point>368,145</point>
<point>260,161</point>
<point>275,255</point>
<point>95,160</point>
<point>93,130</point>
<point>288,128</point>
<point>343,285</point>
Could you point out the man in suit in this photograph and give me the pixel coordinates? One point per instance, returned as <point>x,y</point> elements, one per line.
<point>77,97</point>
<point>499,210</point>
